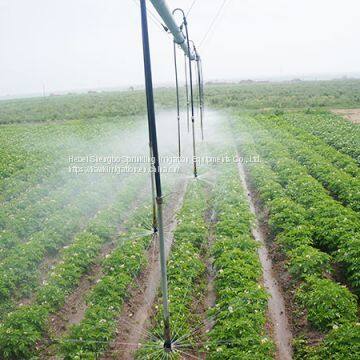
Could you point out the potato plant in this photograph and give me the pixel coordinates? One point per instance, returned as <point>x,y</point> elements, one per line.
<point>76,260</point>
<point>336,228</point>
<point>310,268</point>
<point>333,129</point>
<point>341,185</point>
<point>240,311</point>
<point>185,272</point>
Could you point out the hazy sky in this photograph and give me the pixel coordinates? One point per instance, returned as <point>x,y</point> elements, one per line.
<point>75,44</point>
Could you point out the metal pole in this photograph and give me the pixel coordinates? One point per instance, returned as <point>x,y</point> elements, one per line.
<point>202,85</point>
<point>152,175</point>
<point>200,94</point>
<point>164,12</point>
<point>187,96</point>
<point>159,199</point>
<point>177,100</point>
<point>153,194</point>
<point>191,99</point>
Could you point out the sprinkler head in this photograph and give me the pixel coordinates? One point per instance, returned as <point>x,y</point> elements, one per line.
<point>167,346</point>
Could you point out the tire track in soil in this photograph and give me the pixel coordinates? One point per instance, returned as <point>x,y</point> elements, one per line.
<point>276,306</point>
<point>134,320</point>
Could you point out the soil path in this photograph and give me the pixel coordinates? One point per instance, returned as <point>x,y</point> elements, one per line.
<point>134,320</point>
<point>276,306</point>
<point>352,115</point>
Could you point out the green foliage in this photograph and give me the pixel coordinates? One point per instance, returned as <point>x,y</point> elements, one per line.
<point>240,311</point>
<point>306,94</point>
<point>342,342</point>
<point>79,106</point>
<point>292,238</point>
<point>332,129</point>
<point>302,216</point>
<point>185,270</point>
<point>21,331</point>
<point>105,300</point>
<point>326,303</point>
<point>343,186</point>
<point>76,260</point>
<point>335,227</point>
<point>305,260</point>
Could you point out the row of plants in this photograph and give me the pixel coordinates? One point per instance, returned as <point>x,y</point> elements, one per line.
<point>23,329</point>
<point>241,301</point>
<point>341,185</point>
<point>185,272</point>
<point>333,129</point>
<point>91,336</point>
<point>335,157</point>
<point>20,182</point>
<point>336,228</point>
<point>47,148</point>
<point>326,305</point>
<point>79,106</point>
<point>249,94</point>
<point>20,269</point>
<point>17,224</point>
<point>16,160</point>
<point>29,212</point>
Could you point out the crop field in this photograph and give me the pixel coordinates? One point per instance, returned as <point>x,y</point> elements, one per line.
<point>262,248</point>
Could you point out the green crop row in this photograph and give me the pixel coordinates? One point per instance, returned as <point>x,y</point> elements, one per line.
<point>185,270</point>
<point>89,338</point>
<point>20,268</point>
<point>335,157</point>
<point>29,213</point>
<point>333,129</point>
<point>79,106</point>
<point>298,94</point>
<point>341,185</point>
<point>23,328</point>
<point>17,226</point>
<point>336,228</point>
<point>44,150</point>
<point>241,303</point>
<point>326,304</point>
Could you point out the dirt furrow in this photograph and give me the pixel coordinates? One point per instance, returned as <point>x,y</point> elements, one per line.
<point>134,320</point>
<point>276,306</point>
<point>75,306</point>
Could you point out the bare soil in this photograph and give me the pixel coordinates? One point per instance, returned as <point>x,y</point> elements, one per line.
<point>352,115</point>
<point>277,312</point>
<point>74,309</point>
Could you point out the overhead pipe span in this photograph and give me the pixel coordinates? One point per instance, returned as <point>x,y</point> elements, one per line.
<point>164,12</point>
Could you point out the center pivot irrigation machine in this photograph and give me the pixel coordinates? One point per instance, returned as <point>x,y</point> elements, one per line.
<point>181,39</point>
